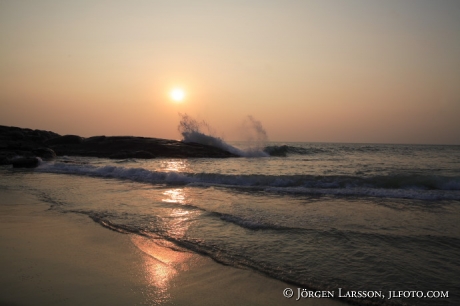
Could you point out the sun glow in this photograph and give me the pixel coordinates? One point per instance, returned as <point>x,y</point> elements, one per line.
<point>177,94</point>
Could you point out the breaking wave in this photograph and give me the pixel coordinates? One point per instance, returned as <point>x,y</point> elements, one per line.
<point>423,187</point>
<point>200,132</point>
<point>284,150</point>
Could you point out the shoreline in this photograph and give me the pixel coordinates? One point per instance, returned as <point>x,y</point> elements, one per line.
<point>51,258</point>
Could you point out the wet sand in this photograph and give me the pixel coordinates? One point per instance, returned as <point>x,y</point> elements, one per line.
<point>51,258</point>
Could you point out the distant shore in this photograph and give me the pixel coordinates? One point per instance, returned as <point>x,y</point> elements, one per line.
<point>21,147</point>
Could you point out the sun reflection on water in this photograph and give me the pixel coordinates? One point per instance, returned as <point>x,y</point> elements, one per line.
<point>162,262</point>
<point>176,195</point>
<point>178,220</point>
<point>174,165</point>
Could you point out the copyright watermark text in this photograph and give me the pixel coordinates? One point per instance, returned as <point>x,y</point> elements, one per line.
<point>300,293</point>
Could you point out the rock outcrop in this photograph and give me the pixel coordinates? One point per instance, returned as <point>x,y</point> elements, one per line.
<point>17,143</point>
<point>25,162</point>
<point>135,147</point>
<point>29,144</point>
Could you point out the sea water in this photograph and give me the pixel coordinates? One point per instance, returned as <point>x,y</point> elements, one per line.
<point>319,216</point>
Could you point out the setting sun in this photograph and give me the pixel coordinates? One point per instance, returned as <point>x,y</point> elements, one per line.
<point>177,94</point>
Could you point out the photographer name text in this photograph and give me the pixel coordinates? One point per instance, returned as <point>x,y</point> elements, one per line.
<point>301,293</point>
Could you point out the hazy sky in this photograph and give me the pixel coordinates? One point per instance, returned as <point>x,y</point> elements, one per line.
<point>331,71</point>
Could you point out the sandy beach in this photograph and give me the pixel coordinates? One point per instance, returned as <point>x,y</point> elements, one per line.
<point>51,258</point>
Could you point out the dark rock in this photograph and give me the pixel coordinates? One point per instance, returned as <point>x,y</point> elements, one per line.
<point>5,159</point>
<point>25,162</point>
<point>45,153</point>
<point>44,135</point>
<point>142,154</point>
<point>95,139</point>
<point>20,145</point>
<point>119,155</point>
<point>37,137</point>
<point>127,146</point>
<point>131,154</point>
<point>26,142</point>
<point>64,140</point>
<point>16,135</point>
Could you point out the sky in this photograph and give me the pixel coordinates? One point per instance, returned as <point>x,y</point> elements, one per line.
<point>319,71</point>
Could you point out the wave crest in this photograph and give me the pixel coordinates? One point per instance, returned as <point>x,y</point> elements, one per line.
<point>427,187</point>
<point>194,131</point>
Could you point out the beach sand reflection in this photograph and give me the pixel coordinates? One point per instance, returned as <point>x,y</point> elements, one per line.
<point>163,260</point>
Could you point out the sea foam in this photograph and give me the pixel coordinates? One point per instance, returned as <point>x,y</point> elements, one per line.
<point>194,131</point>
<point>412,187</point>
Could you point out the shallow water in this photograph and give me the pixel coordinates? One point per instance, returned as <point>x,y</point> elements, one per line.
<point>322,217</point>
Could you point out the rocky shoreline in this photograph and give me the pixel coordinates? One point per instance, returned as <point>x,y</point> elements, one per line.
<point>21,147</point>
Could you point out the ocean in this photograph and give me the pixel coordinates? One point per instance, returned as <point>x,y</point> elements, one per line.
<point>332,217</point>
